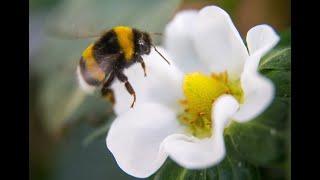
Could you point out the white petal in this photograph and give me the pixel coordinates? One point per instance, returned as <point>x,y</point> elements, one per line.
<point>82,83</point>
<point>218,42</point>
<point>260,39</point>
<point>178,41</point>
<point>193,153</point>
<point>162,84</point>
<point>258,90</point>
<point>135,138</point>
<point>258,94</point>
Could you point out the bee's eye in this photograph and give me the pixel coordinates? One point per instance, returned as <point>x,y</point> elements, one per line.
<point>143,47</point>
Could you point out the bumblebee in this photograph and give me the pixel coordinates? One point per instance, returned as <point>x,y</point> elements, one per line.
<point>104,60</point>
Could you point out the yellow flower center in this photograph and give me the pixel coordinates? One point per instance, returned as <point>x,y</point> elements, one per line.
<point>200,92</point>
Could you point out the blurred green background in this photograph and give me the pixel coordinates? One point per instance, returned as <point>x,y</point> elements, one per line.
<point>67,129</point>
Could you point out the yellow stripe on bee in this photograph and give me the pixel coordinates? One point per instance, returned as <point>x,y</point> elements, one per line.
<point>125,39</point>
<point>91,64</point>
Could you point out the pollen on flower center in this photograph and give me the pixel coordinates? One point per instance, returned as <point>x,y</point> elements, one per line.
<point>200,92</point>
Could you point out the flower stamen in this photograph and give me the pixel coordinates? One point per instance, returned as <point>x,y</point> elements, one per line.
<point>200,92</point>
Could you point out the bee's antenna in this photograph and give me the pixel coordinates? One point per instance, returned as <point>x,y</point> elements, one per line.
<point>160,54</point>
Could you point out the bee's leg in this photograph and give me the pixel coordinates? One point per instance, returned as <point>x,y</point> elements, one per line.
<point>123,78</point>
<point>140,60</point>
<point>106,91</point>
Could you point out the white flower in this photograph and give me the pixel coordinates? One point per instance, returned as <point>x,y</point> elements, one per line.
<point>171,98</point>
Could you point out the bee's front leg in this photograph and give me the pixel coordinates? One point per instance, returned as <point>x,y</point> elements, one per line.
<point>140,60</point>
<point>123,78</point>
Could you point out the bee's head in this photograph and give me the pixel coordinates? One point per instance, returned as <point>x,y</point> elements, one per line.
<point>143,43</point>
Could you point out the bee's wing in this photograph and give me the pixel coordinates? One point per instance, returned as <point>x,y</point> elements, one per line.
<point>105,64</point>
<point>58,33</point>
<point>108,61</point>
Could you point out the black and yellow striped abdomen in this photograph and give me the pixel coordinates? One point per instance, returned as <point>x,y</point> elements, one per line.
<point>89,68</point>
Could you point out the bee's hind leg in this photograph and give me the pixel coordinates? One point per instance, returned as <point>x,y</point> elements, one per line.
<point>106,91</point>
<point>123,78</point>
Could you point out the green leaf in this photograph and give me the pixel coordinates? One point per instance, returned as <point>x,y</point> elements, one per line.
<point>276,65</point>
<point>229,169</point>
<point>261,141</point>
<point>285,38</point>
<point>278,59</point>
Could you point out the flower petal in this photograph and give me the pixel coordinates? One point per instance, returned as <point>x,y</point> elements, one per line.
<point>218,42</point>
<point>260,39</point>
<point>258,94</point>
<point>258,90</point>
<point>193,153</point>
<point>135,138</point>
<point>162,84</point>
<point>178,41</point>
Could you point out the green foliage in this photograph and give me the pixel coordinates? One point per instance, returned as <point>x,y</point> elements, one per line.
<point>229,168</point>
<point>285,40</point>
<point>262,140</point>
<point>277,66</point>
